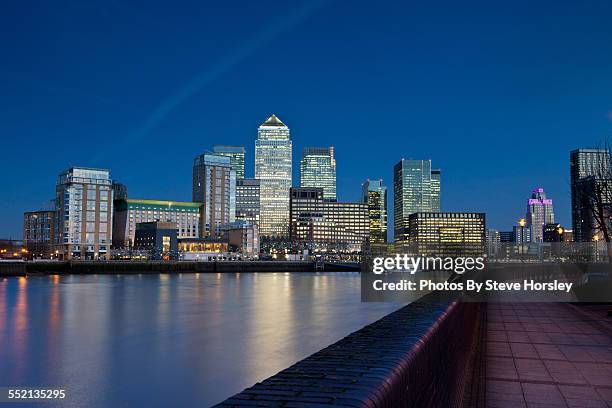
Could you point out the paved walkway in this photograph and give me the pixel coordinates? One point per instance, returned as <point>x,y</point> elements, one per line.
<point>547,355</point>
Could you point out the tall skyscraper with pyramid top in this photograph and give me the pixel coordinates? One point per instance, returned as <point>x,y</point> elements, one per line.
<point>273,159</point>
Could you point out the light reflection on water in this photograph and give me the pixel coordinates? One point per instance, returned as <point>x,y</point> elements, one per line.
<point>170,340</point>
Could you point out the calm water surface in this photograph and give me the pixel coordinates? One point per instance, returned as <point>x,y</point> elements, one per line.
<point>162,340</point>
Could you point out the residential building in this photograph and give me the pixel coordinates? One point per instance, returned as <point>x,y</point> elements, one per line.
<point>273,158</point>
<point>214,185</point>
<point>39,233</point>
<point>318,169</point>
<point>539,213</point>
<point>374,194</point>
<point>236,155</point>
<point>243,237</point>
<point>585,163</point>
<point>328,226</point>
<point>130,212</point>
<point>247,200</point>
<point>84,208</point>
<point>157,237</point>
<point>416,188</point>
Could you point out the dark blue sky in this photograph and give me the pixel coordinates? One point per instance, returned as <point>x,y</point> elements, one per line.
<point>495,94</point>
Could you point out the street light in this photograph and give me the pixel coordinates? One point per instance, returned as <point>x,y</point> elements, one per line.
<point>596,239</point>
<point>522,222</point>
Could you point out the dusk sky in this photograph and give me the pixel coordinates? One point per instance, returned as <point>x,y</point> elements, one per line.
<point>495,93</point>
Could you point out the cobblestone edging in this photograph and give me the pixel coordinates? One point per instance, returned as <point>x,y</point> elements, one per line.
<point>414,357</point>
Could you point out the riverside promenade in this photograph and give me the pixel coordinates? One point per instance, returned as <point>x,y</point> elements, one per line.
<point>546,355</point>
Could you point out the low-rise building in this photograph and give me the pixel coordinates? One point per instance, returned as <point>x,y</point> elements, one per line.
<point>157,237</point>
<point>243,237</point>
<point>203,249</point>
<point>129,212</point>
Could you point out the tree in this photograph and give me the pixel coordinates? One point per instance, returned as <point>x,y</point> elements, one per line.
<point>595,197</point>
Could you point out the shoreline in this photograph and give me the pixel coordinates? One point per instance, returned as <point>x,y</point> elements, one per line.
<point>160,267</point>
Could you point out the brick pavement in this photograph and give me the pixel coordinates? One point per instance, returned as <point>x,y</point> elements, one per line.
<point>546,355</point>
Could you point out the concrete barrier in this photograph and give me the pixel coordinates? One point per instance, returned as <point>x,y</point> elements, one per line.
<point>417,356</point>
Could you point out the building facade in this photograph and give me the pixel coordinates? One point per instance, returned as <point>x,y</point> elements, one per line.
<point>416,188</point>
<point>214,185</point>
<point>84,208</point>
<point>158,238</point>
<point>539,213</point>
<point>374,194</point>
<point>243,237</point>
<point>327,225</point>
<point>236,155</point>
<point>130,212</point>
<point>273,160</point>
<point>318,169</point>
<point>39,233</point>
<point>247,200</point>
<point>585,163</point>
<point>448,232</point>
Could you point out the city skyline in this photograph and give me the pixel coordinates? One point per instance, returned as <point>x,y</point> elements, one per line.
<point>481,93</point>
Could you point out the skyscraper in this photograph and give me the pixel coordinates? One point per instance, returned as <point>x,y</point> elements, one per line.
<point>84,210</point>
<point>214,185</point>
<point>236,155</point>
<point>584,164</point>
<point>416,188</point>
<point>375,196</point>
<point>273,157</point>
<point>318,169</point>
<point>539,213</point>
<point>247,200</point>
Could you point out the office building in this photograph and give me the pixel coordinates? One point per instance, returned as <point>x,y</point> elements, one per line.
<point>448,232</point>
<point>416,188</point>
<point>236,156</point>
<point>273,158</point>
<point>214,185</point>
<point>318,169</point>
<point>506,236</point>
<point>39,233</point>
<point>554,232</point>
<point>247,200</point>
<point>327,225</point>
<point>158,238</point>
<point>120,191</point>
<point>585,163</point>
<point>84,208</point>
<point>130,212</point>
<point>374,195</point>
<point>539,213</point>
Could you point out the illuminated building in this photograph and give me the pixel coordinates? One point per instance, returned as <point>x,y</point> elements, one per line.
<point>236,156</point>
<point>539,213</point>
<point>39,232</point>
<point>327,225</point>
<point>318,169</point>
<point>84,208</point>
<point>214,185</point>
<point>273,157</point>
<point>416,188</point>
<point>130,212</point>
<point>243,237</point>
<point>202,249</point>
<point>374,194</point>
<point>247,200</point>
<point>448,232</point>
<point>585,163</point>
<point>157,237</point>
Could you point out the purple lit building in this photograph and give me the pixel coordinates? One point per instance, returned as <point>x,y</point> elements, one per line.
<point>539,213</point>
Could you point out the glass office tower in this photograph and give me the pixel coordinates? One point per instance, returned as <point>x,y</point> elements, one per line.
<point>273,157</point>
<point>214,185</point>
<point>375,196</point>
<point>236,156</point>
<point>584,164</point>
<point>247,200</point>
<point>318,169</point>
<point>84,210</point>
<point>416,188</point>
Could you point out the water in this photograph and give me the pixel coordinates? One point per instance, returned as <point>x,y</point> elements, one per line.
<point>170,340</point>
